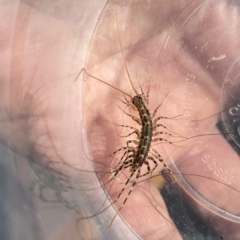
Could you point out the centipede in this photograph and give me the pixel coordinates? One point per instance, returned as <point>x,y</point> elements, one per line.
<point>133,158</point>
<point>149,113</point>
<point>138,158</point>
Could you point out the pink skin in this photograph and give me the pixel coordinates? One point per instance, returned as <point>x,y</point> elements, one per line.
<point>42,54</point>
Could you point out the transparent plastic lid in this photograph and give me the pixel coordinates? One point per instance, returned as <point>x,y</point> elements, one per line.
<point>78,137</point>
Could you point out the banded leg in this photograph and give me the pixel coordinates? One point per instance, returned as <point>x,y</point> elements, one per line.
<point>130,191</point>
<point>122,167</point>
<point>162,139</point>
<point>123,158</point>
<point>118,169</point>
<point>155,111</point>
<point>131,141</point>
<point>123,148</point>
<point>165,141</point>
<point>148,166</point>
<point>155,126</point>
<point>121,163</point>
<point>126,161</point>
<point>159,133</point>
<point>133,128</point>
<point>137,120</point>
<point>158,118</point>
<point>159,157</point>
<point>136,131</point>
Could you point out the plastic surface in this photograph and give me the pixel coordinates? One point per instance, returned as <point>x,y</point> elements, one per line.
<point>56,180</point>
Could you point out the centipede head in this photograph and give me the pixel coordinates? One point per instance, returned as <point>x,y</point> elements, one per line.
<point>139,100</point>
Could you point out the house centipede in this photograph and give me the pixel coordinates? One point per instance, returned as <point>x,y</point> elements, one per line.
<point>126,163</point>
<point>135,157</point>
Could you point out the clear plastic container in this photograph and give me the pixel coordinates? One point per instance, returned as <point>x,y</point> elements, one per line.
<point>64,122</point>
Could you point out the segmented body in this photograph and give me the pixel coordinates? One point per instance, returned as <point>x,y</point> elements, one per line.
<point>134,157</point>
<point>146,133</point>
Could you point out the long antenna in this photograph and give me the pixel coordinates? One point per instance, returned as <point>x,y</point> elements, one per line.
<point>121,48</point>
<point>104,82</point>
